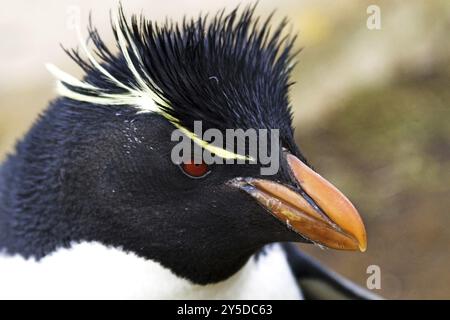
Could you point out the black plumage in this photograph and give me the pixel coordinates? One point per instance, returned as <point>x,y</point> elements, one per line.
<point>92,172</point>
<point>230,71</point>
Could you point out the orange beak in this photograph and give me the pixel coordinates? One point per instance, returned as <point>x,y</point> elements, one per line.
<point>319,211</point>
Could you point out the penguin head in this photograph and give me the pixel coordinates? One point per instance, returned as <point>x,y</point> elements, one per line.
<point>117,182</point>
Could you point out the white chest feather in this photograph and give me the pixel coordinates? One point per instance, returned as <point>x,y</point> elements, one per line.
<point>94,271</point>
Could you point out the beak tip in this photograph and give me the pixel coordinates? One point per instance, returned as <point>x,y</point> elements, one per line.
<point>362,243</point>
<point>336,206</point>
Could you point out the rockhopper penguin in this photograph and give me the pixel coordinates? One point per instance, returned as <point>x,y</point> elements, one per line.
<point>91,205</point>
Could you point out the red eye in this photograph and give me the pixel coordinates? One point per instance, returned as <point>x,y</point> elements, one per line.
<point>195,170</point>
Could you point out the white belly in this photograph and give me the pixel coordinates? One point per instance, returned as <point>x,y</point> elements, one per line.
<point>94,271</point>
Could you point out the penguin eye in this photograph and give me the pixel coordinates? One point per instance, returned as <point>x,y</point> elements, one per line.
<point>195,170</point>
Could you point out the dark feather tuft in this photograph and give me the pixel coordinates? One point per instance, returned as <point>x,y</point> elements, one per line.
<point>231,71</point>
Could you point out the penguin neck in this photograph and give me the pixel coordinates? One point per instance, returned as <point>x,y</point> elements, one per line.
<point>115,274</point>
<point>203,267</point>
<point>18,236</point>
<point>33,222</point>
<point>31,228</point>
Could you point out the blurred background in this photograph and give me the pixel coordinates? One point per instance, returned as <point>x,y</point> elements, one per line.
<point>371,110</point>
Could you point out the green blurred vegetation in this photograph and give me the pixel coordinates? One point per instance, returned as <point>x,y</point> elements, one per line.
<point>389,148</point>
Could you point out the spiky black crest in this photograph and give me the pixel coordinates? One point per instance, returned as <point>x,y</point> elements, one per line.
<point>231,71</point>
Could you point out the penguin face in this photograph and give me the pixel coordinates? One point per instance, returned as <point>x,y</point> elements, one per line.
<point>139,193</point>
<point>128,193</point>
<point>120,185</point>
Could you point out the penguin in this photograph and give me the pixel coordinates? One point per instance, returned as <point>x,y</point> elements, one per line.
<point>93,207</point>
